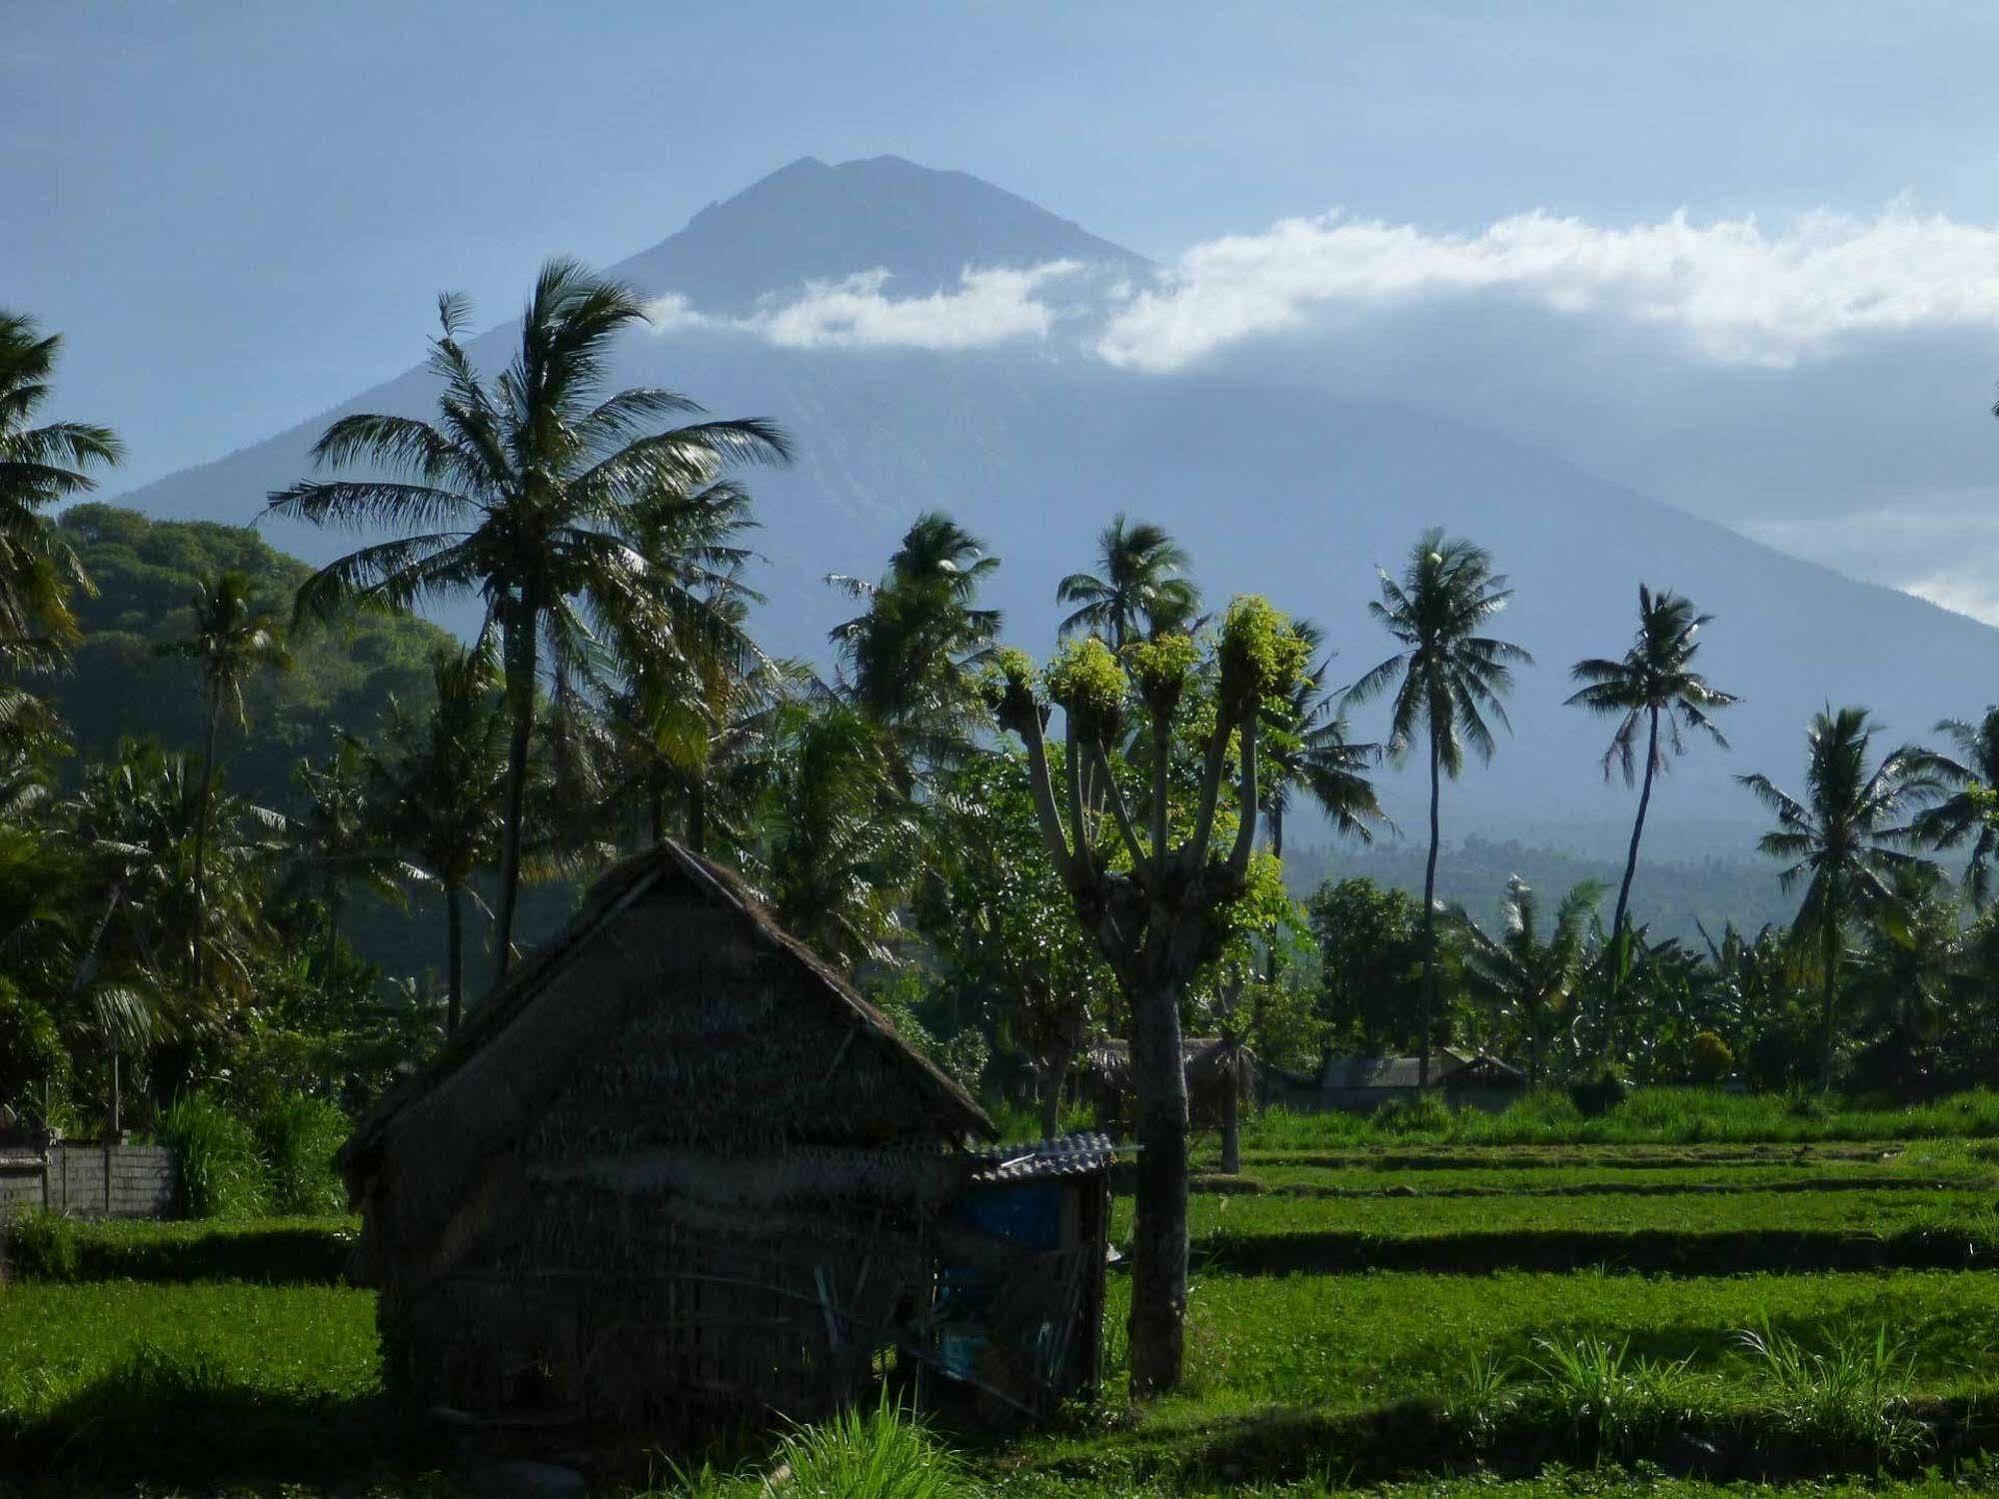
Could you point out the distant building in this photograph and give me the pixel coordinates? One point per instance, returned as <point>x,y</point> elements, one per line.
<point>1213,1067</point>
<point>1360,1085</point>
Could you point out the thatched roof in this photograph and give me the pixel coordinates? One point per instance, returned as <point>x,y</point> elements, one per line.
<point>952,1110</point>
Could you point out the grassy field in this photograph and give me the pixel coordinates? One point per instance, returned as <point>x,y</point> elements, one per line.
<point>1667,1317</point>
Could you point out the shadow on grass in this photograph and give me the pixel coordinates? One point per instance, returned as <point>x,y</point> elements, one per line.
<point>1415,1440</point>
<point>180,1419</point>
<point>65,1250</point>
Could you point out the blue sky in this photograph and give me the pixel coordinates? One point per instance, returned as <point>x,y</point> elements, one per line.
<point>238,215</point>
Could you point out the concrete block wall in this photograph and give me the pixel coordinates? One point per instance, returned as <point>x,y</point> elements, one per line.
<point>89,1181</point>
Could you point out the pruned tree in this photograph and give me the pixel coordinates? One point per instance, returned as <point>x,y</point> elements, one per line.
<point>1151,883</point>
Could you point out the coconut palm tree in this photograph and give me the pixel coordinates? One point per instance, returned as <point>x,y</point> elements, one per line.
<point>1447,678</point>
<point>1652,686</point>
<point>528,491</point>
<point>1970,807</point>
<point>1139,590</point>
<point>39,466</point>
<point>437,787</point>
<point>1523,975</point>
<point>909,659</point>
<point>233,635</point>
<point>1843,839</point>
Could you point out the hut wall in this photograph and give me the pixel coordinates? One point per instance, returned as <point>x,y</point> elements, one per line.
<point>720,1211</point>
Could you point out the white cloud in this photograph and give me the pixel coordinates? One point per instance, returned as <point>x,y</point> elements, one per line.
<point>1737,292</point>
<point>988,306</point>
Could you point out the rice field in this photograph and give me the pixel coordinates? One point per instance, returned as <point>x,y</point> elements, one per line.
<point>1439,1317</point>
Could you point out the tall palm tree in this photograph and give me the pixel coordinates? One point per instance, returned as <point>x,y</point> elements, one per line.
<point>1843,839</point>
<point>233,635</point>
<point>39,466</point>
<point>1653,685</point>
<point>1520,972</point>
<point>1139,590</point>
<point>1447,678</point>
<point>909,658</point>
<point>528,490</point>
<point>437,783</point>
<point>1970,810</point>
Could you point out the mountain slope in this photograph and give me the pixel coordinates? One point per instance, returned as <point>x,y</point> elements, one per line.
<point>1273,485</point>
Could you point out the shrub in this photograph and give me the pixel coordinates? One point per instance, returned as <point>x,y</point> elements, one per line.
<point>1611,1403</point>
<point>299,1135</point>
<point>1713,1060</point>
<point>221,1173</point>
<point>1597,1096</point>
<point>1425,1114</point>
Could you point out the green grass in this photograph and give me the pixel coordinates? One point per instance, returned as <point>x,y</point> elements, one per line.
<point>1871,1211</point>
<point>1655,1116</point>
<point>1281,1174</point>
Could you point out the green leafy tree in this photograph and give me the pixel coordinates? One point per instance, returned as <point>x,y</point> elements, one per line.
<point>1843,840</point>
<point>1653,686</point>
<point>1447,677</point>
<point>40,466</point>
<point>1370,964</point>
<point>437,788</point>
<point>1003,924</point>
<point>233,634</point>
<point>1528,978</point>
<point>1967,810</point>
<point>1150,887</point>
<point>532,490</point>
<point>1140,588</point>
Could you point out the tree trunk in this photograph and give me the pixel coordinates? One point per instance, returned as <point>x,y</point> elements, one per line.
<point>1624,887</point>
<point>454,959</point>
<point>656,816</point>
<point>520,652</point>
<point>1430,917</point>
<point>697,818</point>
<point>1159,1230</point>
<point>197,952</point>
<point>1831,964</point>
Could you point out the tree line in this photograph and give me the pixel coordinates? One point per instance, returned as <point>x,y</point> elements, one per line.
<point>1013,857</point>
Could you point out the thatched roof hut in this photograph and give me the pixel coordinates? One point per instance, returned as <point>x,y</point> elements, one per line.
<point>676,1172</point>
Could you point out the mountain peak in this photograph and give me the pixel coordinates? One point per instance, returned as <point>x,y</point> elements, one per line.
<point>809,221</point>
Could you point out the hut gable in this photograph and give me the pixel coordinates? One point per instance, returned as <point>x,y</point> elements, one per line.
<point>673,1011</point>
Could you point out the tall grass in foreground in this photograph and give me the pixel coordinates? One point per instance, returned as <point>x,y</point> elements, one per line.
<point>1650,1116</point>
<point>877,1452</point>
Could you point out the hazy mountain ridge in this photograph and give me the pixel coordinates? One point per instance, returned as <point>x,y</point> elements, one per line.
<point>1274,486</point>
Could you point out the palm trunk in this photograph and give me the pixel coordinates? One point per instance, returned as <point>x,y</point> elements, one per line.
<point>203,803</point>
<point>454,959</point>
<point>656,816</point>
<point>1830,960</point>
<point>1430,916</point>
<point>1624,888</point>
<point>697,818</point>
<point>520,650</point>
<point>1159,1231</point>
